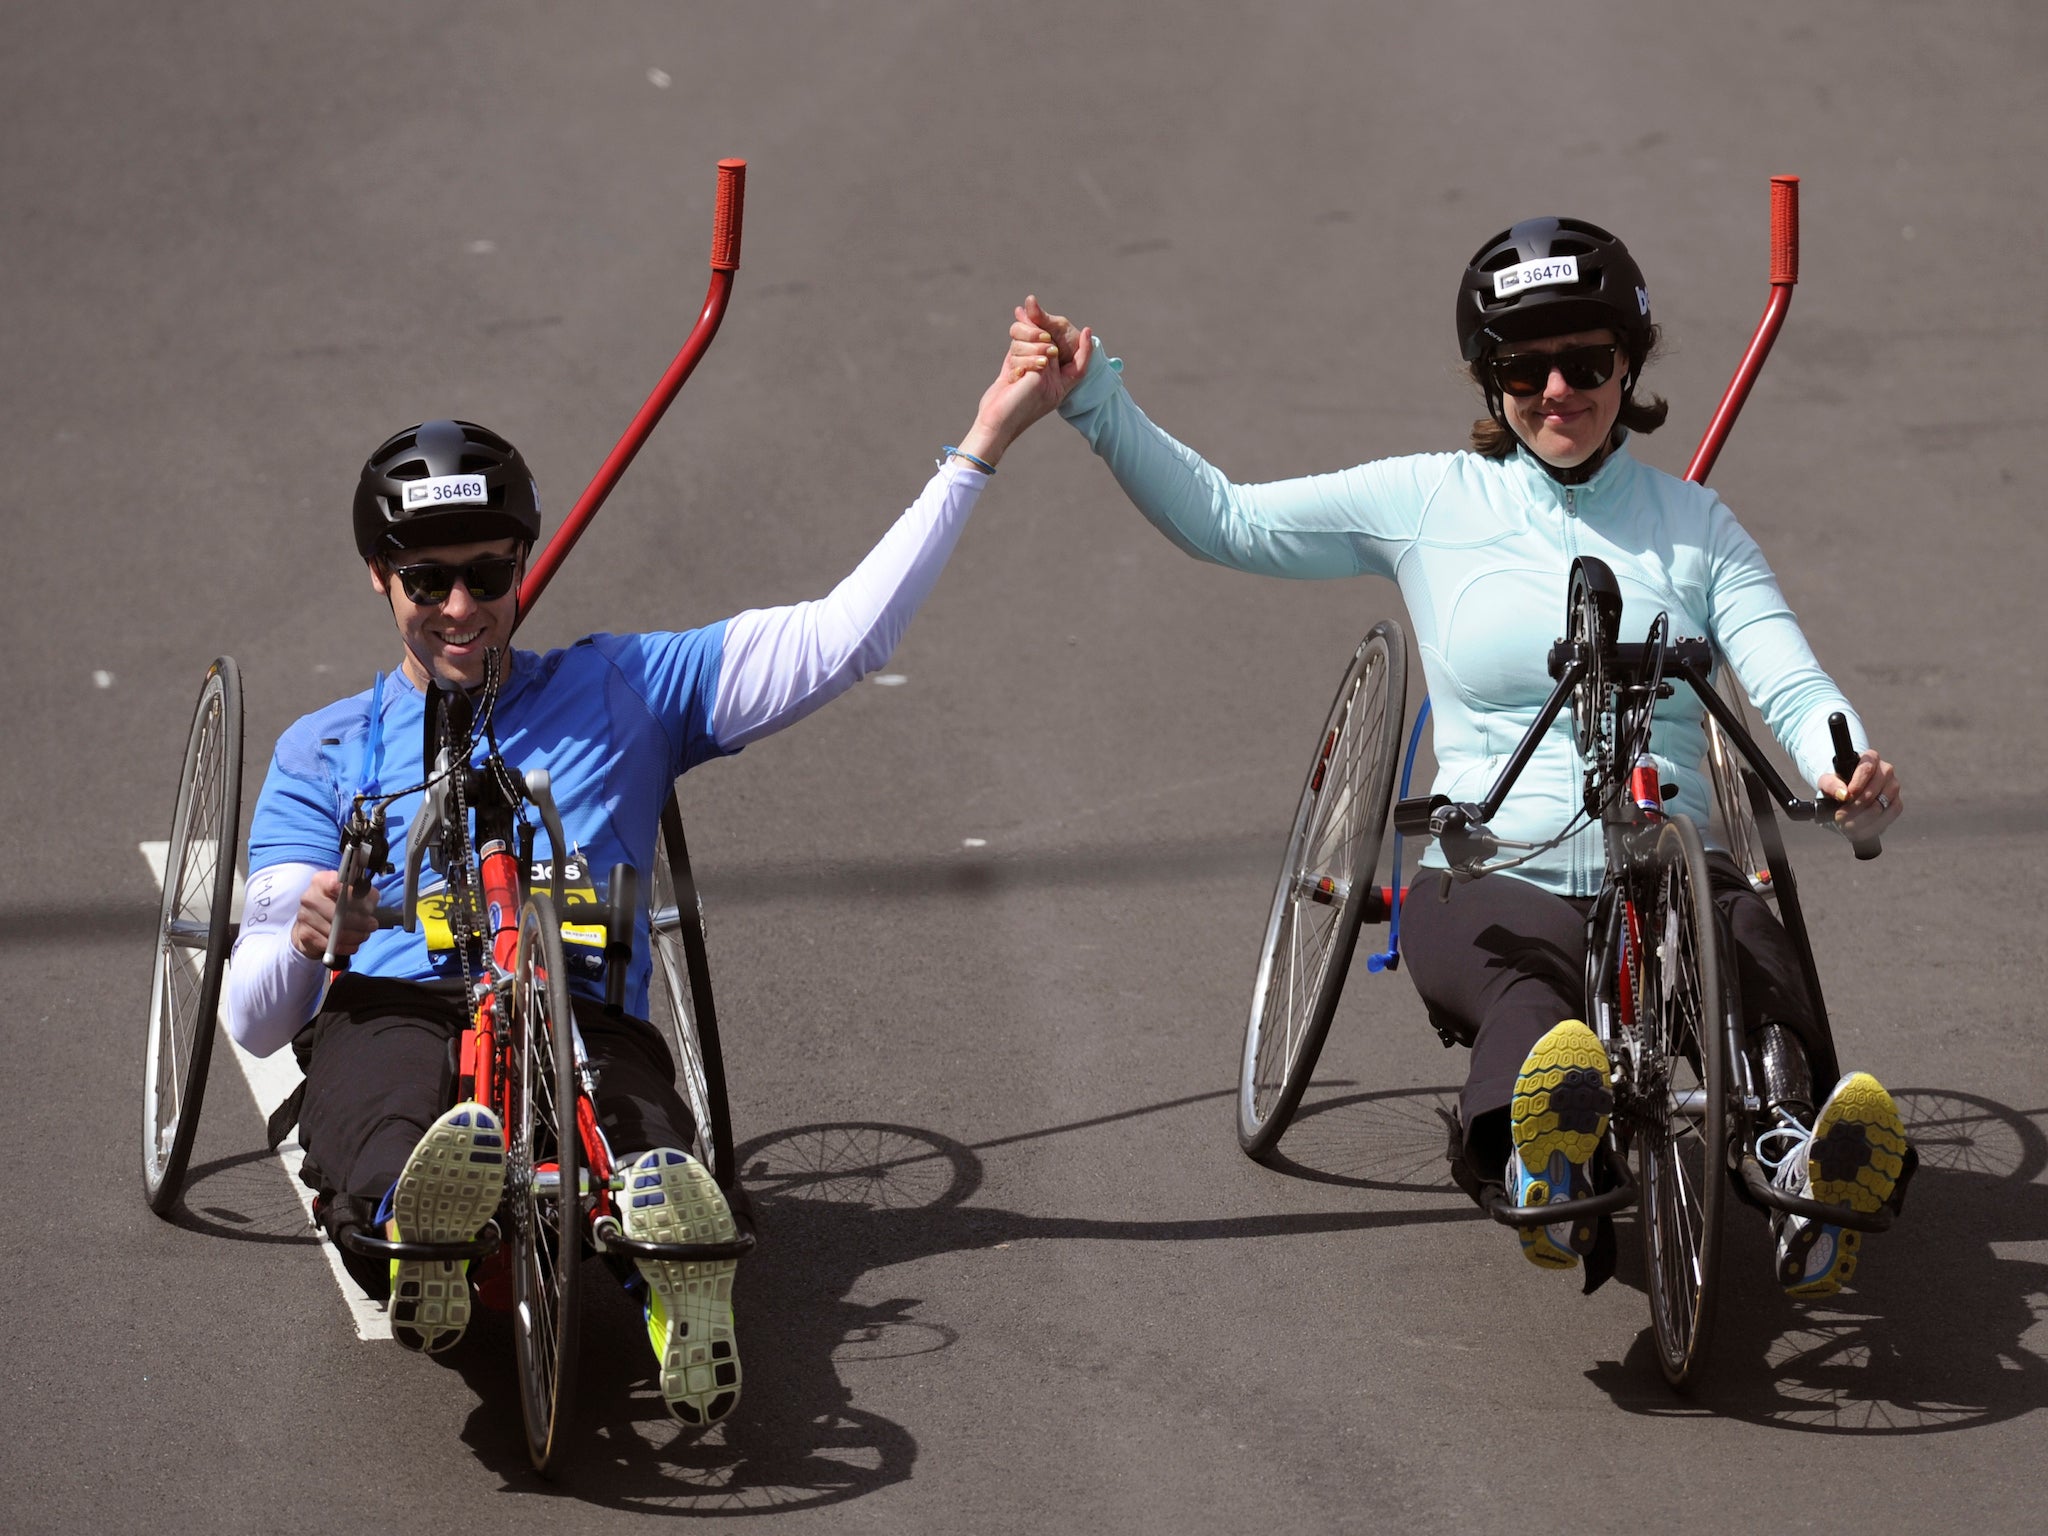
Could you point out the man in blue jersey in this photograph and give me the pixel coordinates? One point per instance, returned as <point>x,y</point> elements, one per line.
<point>445,516</point>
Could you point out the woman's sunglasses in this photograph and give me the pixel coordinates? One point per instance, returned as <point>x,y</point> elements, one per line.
<point>430,582</point>
<point>1525,373</point>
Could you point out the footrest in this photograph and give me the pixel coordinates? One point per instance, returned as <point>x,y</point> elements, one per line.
<point>609,1237</point>
<point>482,1245</point>
<point>1508,1214</point>
<point>1759,1185</point>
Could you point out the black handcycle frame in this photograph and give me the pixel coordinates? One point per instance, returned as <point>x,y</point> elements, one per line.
<point>1682,1068</point>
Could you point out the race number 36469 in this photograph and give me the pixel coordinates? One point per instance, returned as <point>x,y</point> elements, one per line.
<point>447,490</point>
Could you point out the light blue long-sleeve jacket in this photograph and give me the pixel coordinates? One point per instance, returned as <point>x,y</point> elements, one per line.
<point>1482,550</point>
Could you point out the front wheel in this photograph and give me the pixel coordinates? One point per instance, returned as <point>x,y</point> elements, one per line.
<point>543,1180</point>
<point>194,925</point>
<point>1679,1100</point>
<point>1326,879</point>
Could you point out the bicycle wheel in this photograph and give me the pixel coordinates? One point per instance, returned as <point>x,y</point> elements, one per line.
<point>1333,854</point>
<point>679,995</point>
<point>194,926</point>
<point>543,1184</point>
<point>1680,1097</point>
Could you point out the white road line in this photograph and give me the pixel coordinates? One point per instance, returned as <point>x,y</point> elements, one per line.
<point>271,1080</point>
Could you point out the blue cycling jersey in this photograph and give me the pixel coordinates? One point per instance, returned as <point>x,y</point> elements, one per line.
<point>1481,549</point>
<point>614,719</point>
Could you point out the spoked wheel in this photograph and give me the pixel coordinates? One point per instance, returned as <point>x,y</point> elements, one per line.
<point>1681,1106</point>
<point>679,996</point>
<point>1326,878</point>
<point>194,928</point>
<point>543,1181</point>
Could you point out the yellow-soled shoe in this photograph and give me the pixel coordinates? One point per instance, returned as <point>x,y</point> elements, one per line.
<point>449,1188</point>
<point>670,1197</point>
<point>1853,1158</point>
<point>1563,1097</point>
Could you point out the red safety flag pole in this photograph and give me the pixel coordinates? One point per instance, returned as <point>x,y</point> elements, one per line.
<point>1784,274</point>
<point>725,261</point>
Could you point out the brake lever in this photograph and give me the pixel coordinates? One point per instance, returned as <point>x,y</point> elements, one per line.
<point>539,791</point>
<point>1464,838</point>
<point>426,830</point>
<point>365,847</point>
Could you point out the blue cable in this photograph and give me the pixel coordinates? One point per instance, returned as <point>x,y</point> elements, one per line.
<point>1389,959</point>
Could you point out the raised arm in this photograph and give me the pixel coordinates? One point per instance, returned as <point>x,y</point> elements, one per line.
<point>780,664</point>
<point>1350,523</point>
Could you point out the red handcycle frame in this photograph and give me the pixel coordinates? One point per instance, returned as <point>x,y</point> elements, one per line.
<point>487,1072</point>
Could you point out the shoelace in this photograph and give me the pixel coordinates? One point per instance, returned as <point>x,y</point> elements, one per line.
<point>1782,1150</point>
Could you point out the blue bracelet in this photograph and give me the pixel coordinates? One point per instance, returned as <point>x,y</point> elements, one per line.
<point>950,452</point>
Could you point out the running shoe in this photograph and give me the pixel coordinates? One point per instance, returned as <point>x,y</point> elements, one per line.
<point>1853,1158</point>
<point>1563,1097</point>
<point>670,1197</point>
<point>447,1192</point>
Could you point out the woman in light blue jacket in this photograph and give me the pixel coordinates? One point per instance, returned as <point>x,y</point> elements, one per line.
<point>1554,324</point>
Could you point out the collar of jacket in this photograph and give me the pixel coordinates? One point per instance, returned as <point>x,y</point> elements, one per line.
<point>1600,492</point>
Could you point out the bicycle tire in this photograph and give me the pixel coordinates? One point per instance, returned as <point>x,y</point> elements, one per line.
<point>1332,856</point>
<point>194,919</point>
<point>679,999</point>
<point>1681,1100</point>
<point>541,1090</point>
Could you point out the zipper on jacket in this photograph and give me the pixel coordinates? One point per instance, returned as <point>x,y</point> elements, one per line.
<point>1571,501</point>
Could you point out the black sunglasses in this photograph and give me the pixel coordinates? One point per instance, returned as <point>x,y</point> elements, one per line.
<point>1525,373</point>
<point>430,582</point>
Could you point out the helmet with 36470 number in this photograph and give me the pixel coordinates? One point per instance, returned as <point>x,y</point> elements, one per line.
<point>1550,277</point>
<point>444,482</point>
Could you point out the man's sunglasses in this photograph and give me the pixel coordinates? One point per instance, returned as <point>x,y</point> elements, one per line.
<point>430,582</point>
<point>1525,373</point>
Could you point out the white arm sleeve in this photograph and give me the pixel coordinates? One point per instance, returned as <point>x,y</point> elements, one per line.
<point>272,988</point>
<point>782,663</point>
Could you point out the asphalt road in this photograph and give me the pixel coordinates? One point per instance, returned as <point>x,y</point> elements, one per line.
<point>241,243</point>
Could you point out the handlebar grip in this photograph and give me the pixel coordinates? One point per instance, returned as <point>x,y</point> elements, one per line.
<point>1411,817</point>
<point>1846,759</point>
<point>1784,231</point>
<point>725,222</point>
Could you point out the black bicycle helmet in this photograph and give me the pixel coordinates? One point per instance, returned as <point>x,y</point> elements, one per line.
<point>1548,277</point>
<point>444,482</point>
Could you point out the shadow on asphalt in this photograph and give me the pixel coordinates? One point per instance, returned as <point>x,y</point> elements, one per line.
<point>243,1199</point>
<point>1941,1332</point>
<point>835,1202</point>
<point>1944,1332</point>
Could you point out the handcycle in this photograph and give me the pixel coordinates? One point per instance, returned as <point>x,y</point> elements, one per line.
<point>1659,988</point>
<point>521,1054</point>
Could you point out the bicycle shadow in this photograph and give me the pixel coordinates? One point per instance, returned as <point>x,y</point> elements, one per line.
<point>836,1201</point>
<point>240,1198</point>
<point>1868,1361</point>
<point>1940,1332</point>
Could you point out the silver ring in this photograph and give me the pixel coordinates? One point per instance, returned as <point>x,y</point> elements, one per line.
<point>1883,804</point>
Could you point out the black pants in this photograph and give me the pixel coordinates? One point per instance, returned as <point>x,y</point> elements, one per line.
<point>380,1063</point>
<point>1499,961</point>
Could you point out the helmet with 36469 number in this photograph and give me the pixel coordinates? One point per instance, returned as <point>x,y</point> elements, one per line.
<point>444,482</point>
